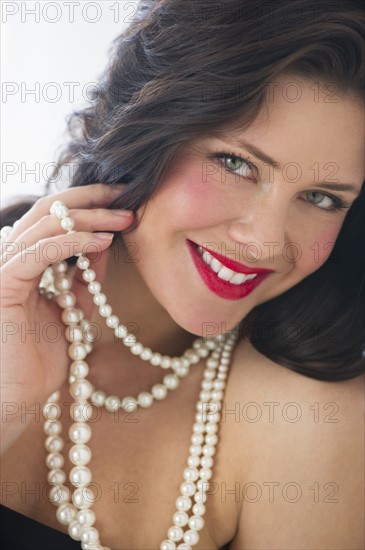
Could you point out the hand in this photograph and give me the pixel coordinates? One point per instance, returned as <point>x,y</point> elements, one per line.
<point>34,365</point>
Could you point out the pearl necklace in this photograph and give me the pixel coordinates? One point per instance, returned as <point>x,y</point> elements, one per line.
<point>74,510</point>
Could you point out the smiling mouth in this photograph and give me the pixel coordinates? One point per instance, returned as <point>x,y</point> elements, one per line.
<point>223,272</point>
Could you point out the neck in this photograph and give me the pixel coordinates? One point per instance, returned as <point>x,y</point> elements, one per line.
<point>137,308</point>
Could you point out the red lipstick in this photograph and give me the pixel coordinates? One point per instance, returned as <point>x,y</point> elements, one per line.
<point>225,289</point>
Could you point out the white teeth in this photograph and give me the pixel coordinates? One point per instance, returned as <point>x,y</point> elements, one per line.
<point>225,273</point>
<point>237,278</point>
<point>222,271</point>
<point>251,276</point>
<point>207,257</point>
<point>215,265</point>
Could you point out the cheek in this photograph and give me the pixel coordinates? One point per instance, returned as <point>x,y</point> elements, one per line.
<point>316,249</point>
<point>188,202</point>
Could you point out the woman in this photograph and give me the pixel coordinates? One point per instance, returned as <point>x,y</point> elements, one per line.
<point>217,132</point>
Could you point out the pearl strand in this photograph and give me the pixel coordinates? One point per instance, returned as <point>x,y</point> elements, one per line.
<point>75,335</point>
<point>78,515</point>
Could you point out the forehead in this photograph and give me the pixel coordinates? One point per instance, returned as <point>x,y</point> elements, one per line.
<point>306,122</point>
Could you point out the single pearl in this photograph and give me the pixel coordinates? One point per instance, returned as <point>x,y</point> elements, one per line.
<point>54,444</point>
<point>198,428</point>
<point>80,432</point>
<point>198,509</point>
<point>80,455</point>
<point>211,439</point>
<point>86,517</point>
<point>63,282</point>
<point>79,369</point>
<point>66,299</point>
<point>205,474</point>
<point>167,545</point>
<point>211,428</point>
<point>99,299</point>
<point>51,411</point>
<point>121,331</point>
<point>200,497</point>
<point>112,403</point>
<point>197,439</point>
<point>159,391</point>
<point>83,497</point>
<point>145,399</point>
<point>105,310</point>
<point>195,450</point>
<point>80,475</point>
<point>193,461</point>
<point>207,385</point>
<point>59,210</point>
<point>55,461</point>
<point>190,474</point>
<point>73,333</point>
<point>209,375</point>
<point>83,262</point>
<point>89,535</point>
<point>137,348</point>
<point>204,395</point>
<point>206,461</point>
<point>74,530</point>
<point>81,389</point>
<point>191,537</point>
<point>60,267</point>
<point>71,316</point>
<point>183,503</point>
<point>187,488</point>
<point>182,371</point>
<point>129,404</point>
<point>66,513</point>
<point>165,362</point>
<point>196,523</point>
<point>180,519</point>
<point>171,381</point>
<point>51,427</point>
<point>129,340</point>
<point>175,533</point>
<point>184,546</point>
<point>156,359</point>
<point>56,477</point>
<point>94,287</point>
<point>146,354</point>
<point>112,321</point>
<point>98,398</point>
<point>77,351</point>
<point>217,395</point>
<point>208,450</point>
<point>59,494</point>
<point>89,275</point>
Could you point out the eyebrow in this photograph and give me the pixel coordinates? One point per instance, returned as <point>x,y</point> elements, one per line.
<point>271,162</point>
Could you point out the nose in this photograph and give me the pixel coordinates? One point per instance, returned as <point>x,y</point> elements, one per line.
<point>261,233</point>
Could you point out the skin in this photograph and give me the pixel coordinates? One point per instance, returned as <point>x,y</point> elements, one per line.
<point>200,200</point>
<point>150,280</point>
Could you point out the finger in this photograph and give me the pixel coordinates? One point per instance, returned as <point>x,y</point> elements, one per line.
<point>21,274</point>
<point>84,220</point>
<point>86,196</point>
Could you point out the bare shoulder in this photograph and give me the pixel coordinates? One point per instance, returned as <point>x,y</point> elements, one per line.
<point>299,445</point>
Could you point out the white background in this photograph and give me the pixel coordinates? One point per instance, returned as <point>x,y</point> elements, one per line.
<point>60,42</point>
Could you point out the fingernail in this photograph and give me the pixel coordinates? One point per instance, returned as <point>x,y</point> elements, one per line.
<point>104,236</point>
<point>121,212</point>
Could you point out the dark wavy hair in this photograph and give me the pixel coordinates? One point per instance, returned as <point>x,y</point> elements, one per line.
<point>185,69</point>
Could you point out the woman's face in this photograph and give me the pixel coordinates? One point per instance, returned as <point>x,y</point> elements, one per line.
<point>278,217</point>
